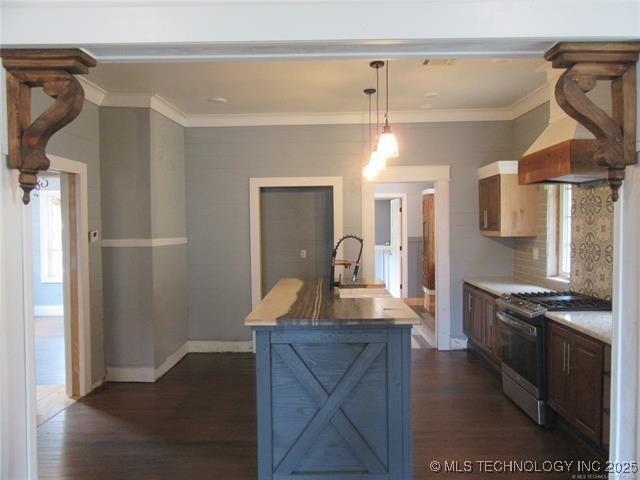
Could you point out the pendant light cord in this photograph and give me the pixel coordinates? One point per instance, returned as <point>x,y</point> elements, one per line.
<point>369,95</point>
<point>386,115</point>
<point>377,101</point>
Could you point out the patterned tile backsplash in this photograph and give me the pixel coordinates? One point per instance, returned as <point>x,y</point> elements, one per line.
<point>592,241</point>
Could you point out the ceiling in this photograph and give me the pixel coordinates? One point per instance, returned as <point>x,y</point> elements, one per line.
<point>324,86</point>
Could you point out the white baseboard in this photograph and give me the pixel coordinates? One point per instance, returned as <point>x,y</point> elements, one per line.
<point>96,384</point>
<point>458,343</point>
<point>215,346</point>
<point>150,374</point>
<point>172,360</point>
<point>48,310</point>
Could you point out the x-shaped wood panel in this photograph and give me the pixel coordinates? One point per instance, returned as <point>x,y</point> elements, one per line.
<point>330,411</point>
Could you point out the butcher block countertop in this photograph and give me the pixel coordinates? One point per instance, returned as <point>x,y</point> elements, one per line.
<point>294,301</point>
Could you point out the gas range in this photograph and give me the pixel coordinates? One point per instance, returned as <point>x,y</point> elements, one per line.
<point>535,304</point>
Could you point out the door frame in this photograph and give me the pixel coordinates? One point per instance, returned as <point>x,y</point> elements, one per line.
<point>255,227</point>
<point>78,320</point>
<point>404,265</point>
<point>440,176</point>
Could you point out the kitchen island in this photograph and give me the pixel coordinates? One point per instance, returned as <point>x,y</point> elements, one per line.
<point>333,383</point>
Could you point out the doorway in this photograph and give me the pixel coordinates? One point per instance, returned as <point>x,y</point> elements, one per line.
<point>391,242</point>
<point>56,383</point>
<point>296,233</point>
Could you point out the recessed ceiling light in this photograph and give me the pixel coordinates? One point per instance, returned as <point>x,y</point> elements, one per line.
<point>431,94</point>
<point>217,100</point>
<point>426,106</point>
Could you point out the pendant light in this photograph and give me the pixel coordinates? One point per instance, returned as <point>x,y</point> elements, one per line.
<point>387,142</point>
<point>377,160</point>
<point>372,167</point>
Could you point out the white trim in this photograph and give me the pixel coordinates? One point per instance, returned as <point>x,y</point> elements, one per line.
<point>171,360</point>
<point>501,167</point>
<point>79,169</point>
<point>626,311</point>
<point>48,310</point>
<point>531,100</point>
<point>150,374</point>
<point>404,235</point>
<point>429,173</point>
<point>142,242</point>
<point>255,184</point>
<point>459,343</point>
<point>428,191</point>
<point>92,93</point>
<point>143,100</point>
<point>220,346</point>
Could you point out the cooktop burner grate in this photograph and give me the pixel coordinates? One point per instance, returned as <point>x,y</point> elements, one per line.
<point>567,300</point>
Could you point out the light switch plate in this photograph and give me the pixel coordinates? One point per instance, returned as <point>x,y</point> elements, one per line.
<point>536,253</point>
<point>303,253</point>
<point>94,236</point>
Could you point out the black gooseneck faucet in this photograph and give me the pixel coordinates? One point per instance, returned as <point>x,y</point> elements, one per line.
<point>345,263</point>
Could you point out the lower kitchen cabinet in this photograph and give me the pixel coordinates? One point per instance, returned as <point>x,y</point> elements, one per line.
<point>480,323</point>
<point>576,376</point>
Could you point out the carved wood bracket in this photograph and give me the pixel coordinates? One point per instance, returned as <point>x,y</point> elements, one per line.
<point>586,64</point>
<point>52,70</point>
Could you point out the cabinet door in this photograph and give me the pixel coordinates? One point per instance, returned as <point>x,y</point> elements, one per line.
<point>467,305</point>
<point>584,362</point>
<point>492,339</point>
<point>489,189</point>
<point>477,317</point>
<point>558,377</point>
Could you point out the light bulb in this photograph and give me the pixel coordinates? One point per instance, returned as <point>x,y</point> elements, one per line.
<point>377,161</point>
<point>388,144</point>
<point>369,172</point>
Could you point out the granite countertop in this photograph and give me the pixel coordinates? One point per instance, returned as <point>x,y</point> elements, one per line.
<point>598,325</point>
<point>501,285</point>
<point>595,324</point>
<point>294,301</point>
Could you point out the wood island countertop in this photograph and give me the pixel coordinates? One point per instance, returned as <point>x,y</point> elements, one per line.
<point>294,301</point>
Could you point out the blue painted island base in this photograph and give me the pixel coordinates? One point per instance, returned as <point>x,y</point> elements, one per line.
<point>334,402</point>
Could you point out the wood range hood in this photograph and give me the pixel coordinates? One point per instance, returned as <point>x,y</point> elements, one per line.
<point>589,138</point>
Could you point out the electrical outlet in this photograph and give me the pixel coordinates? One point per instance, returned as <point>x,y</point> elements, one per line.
<point>303,253</point>
<point>536,253</point>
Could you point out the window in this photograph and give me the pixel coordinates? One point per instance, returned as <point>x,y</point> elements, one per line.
<point>50,236</point>
<point>563,254</point>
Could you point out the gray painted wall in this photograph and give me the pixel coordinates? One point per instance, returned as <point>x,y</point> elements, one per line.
<point>220,162</point>
<point>145,287</point>
<point>80,141</point>
<point>383,222</point>
<point>294,219</point>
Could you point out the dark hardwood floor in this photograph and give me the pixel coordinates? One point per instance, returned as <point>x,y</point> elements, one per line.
<point>198,422</point>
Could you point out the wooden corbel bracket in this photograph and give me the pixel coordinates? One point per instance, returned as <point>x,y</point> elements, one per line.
<point>586,64</point>
<point>52,70</point>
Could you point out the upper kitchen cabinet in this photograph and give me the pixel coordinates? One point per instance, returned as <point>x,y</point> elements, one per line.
<point>507,209</point>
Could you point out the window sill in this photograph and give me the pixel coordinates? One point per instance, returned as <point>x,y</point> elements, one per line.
<point>558,282</point>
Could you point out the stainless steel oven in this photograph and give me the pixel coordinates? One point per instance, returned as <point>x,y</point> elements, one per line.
<point>523,360</point>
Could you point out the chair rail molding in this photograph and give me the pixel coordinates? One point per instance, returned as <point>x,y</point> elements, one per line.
<point>52,70</point>
<point>587,63</point>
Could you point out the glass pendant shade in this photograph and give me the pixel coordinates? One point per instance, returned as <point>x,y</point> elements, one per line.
<point>388,144</point>
<point>369,172</point>
<point>377,161</point>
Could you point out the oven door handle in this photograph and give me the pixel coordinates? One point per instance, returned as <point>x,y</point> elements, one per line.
<point>517,324</point>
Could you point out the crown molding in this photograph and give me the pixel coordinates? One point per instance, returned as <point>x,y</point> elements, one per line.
<point>531,100</point>
<point>101,97</point>
<point>92,92</point>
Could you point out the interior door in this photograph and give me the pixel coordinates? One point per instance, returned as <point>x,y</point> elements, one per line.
<point>395,255</point>
<point>428,242</point>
